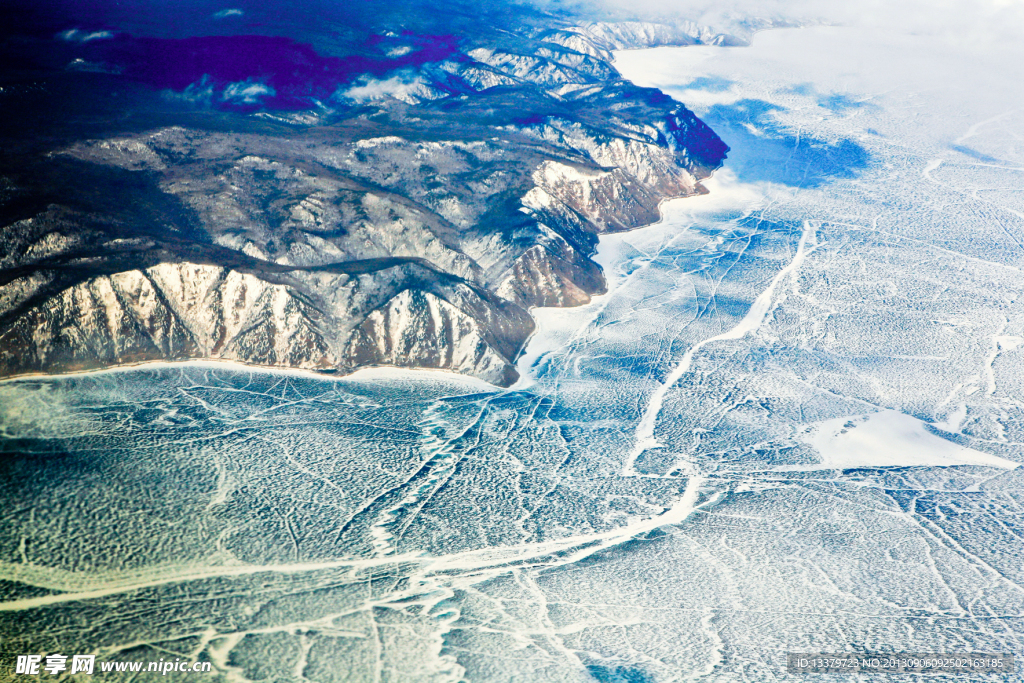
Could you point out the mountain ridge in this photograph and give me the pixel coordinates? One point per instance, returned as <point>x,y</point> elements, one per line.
<point>412,230</point>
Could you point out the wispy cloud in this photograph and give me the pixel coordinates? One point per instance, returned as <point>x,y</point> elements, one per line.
<point>80,64</point>
<point>202,93</point>
<point>406,87</point>
<point>231,12</point>
<point>246,92</point>
<point>79,36</point>
<point>198,93</point>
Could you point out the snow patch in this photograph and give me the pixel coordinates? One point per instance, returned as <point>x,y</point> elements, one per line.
<point>886,439</point>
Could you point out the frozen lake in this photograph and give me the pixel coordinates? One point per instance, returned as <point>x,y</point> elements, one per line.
<point>793,424</point>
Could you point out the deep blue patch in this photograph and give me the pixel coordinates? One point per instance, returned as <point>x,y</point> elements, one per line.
<point>835,102</point>
<point>839,103</point>
<point>802,89</point>
<point>531,120</point>
<point>279,73</point>
<point>762,150</point>
<point>709,83</point>
<point>975,154</point>
<point>617,674</point>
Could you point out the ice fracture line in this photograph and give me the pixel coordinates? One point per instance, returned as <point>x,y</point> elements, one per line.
<point>751,321</point>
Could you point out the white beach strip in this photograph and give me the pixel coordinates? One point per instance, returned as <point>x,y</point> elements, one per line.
<point>370,374</point>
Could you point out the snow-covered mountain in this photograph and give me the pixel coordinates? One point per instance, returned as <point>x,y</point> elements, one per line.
<point>413,229</point>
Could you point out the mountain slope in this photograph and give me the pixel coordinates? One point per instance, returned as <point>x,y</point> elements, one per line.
<point>411,221</point>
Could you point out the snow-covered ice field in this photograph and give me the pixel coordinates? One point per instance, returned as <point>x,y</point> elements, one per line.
<point>793,424</point>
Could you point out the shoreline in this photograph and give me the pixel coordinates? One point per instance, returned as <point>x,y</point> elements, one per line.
<point>608,288</point>
<point>382,373</point>
<point>725,193</point>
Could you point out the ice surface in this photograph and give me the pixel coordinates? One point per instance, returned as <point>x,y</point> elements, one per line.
<point>792,423</point>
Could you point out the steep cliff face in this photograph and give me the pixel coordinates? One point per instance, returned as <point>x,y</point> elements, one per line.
<point>410,231</point>
<point>310,320</point>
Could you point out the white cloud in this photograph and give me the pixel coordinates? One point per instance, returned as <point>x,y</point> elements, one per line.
<point>399,51</point>
<point>232,12</point>
<point>246,92</point>
<point>405,87</point>
<point>200,92</point>
<point>80,64</point>
<point>78,36</point>
<point>241,92</point>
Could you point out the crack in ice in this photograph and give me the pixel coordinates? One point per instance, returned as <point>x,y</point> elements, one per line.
<point>759,310</point>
